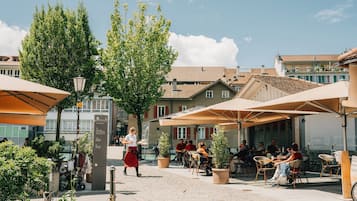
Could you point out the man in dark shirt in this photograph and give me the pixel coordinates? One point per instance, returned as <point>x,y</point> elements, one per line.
<point>273,148</point>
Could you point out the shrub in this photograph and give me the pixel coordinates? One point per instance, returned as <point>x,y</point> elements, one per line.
<point>22,172</point>
<point>164,145</point>
<point>220,150</point>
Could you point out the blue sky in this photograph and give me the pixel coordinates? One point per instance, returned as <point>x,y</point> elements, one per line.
<point>218,33</point>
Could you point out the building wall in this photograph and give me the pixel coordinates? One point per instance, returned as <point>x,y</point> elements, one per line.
<point>175,105</point>
<point>324,132</point>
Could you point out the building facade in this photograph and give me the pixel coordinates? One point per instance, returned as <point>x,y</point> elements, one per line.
<point>315,68</point>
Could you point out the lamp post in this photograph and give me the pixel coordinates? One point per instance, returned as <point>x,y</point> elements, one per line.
<point>79,83</point>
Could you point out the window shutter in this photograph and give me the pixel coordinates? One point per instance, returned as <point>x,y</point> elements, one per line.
<point>211,131</point>
<point>207,133</point>
<point>175,133</point>
<point>180,108</point>
<point>146,115</point>
<point>155,111</point>
<point>166,110</point>
<point>188,133</point>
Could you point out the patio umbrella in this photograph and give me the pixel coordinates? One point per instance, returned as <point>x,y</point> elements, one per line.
<point>328,98</point>
<point>25,102</point>
<point>237,111</point>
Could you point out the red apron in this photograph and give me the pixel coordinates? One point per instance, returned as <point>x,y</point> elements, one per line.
<point>131,159</point>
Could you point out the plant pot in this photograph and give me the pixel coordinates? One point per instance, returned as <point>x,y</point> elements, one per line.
<point>163,162</point>
<point>220,176</point>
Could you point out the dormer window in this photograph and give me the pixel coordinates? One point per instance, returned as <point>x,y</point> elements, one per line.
<point>209,94</point>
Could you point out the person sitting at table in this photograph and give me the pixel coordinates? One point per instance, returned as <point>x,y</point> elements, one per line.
<point>282,165</point>
<point>190,146</point>
<point>204,157</point>
<point>273,148</point>
<point>243,151</point>
<point>180,150</point>
<point>260,151</point>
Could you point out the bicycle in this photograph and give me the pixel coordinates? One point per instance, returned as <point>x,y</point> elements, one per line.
<point>354,192</point>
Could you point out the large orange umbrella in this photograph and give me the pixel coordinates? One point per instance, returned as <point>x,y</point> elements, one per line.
<point>25,102</point>
<point>236,111</point>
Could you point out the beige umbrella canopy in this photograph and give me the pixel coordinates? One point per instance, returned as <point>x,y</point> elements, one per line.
<point>25,102</point>
<point>236,111</point>
<point>327,98</point>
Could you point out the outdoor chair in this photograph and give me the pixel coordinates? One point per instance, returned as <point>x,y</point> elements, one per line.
<point>263,165</point>
<point>329,163</point>
<point>296,172</point>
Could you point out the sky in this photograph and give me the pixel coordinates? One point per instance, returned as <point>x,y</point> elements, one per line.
<point>216,32</point>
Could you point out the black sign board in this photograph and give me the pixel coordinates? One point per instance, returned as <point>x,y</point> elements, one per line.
<point>100,151</point>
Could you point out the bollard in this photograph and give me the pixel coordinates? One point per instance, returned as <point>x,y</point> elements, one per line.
<point>112,185</point>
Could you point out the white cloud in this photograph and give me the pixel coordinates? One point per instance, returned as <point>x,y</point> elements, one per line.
<point>204,51</point>
<point>334,15</point>
<point>248,39</point>
<point>10,39</point>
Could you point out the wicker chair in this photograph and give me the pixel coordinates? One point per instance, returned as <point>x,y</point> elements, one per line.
<point>328,162</point>
<point>262,163</point>
<point>295,172</point>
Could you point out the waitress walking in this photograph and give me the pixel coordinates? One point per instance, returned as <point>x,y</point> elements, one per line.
<point>131,156</point>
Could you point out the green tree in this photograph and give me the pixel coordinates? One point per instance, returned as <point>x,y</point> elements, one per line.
<point>137,58</point>
<point>60,46</point>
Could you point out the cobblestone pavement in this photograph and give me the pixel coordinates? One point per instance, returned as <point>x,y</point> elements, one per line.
<point>178,184</point>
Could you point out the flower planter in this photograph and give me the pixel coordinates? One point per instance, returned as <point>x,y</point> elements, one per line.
<point>163,162</point>
<point>220,176</point>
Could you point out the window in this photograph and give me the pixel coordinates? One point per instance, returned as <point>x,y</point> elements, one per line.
<point>50,125</point>
<point>209,94</point>
<point>201,133</point>
<point>225,94</point>
<point>181,133</point>
<point>184,107</point>
<point>161,110</point>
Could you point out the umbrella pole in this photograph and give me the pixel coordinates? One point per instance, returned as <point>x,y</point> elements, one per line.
<point>239,129</point>
<point>345,161</point>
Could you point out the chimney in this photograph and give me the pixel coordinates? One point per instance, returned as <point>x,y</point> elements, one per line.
<point>174,85</point>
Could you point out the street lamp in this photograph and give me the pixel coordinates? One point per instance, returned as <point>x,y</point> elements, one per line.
<point>79,83</point>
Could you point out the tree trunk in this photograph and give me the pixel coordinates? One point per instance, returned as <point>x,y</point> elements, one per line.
<point>58,125</point>
<point>140,130</point>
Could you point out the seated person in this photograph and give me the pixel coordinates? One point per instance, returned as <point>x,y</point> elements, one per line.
<point>273,148</point>
<point>243,152</point>
<point>282,166</point>
<point>180,149</point>
<point>204,157</point>
<point>260,151</point>
<point>190,146</point>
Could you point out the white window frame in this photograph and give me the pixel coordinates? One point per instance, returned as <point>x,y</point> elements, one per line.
<point>209,93</point>
<point>183,107</point>
<point>181,133</point>
<point>161,110</point>
<point>201,133</point>
<point>225,94</point>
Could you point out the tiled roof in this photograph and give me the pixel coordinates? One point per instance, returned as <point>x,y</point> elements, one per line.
<point>182,92</point>
<point>243,77</point>
<point>189,90</point>
<point>198,74</point>
<point>301,58</point>
<point>287,84</point>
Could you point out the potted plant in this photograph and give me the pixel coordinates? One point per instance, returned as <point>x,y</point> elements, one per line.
<point>220,152</point>
<point>85,150</point>
<point>163,160</point>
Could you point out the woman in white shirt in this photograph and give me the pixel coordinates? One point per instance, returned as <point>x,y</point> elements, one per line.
<point>131,158</point>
